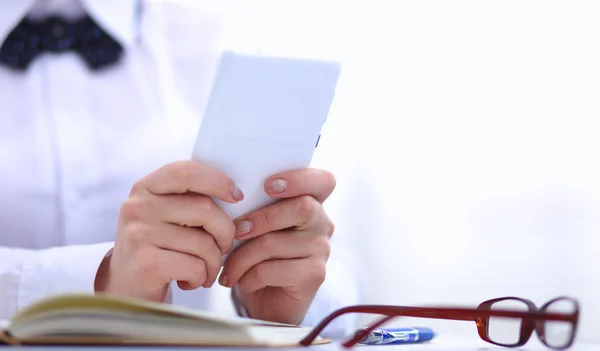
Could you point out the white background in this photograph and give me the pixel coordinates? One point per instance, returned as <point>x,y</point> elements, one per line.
<point>465,140</point>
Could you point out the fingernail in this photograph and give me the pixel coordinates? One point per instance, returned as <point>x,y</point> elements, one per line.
<point>237,193</point>
<point>243,227</point>
<point>223,280</point>
<point>276,185</point>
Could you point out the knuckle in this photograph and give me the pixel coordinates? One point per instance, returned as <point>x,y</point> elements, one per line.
<point>307,206</point>
<point>206,204</point>
<point>316,272</point>
<point>138,187</point>
<point>260,273</point>
<point>209,249</point>
<point>322,245</point>
<point>198,243</point>
<point>197,274</point>
<point>264,219</point>
<point>183,170</point>
<point>137,234</point>
<point>133,208</point>
<point>265,242</point>
<point>329,227</point>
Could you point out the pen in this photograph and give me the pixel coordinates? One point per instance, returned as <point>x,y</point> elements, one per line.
<point>395,336</point>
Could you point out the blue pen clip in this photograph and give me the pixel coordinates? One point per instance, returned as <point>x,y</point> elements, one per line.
<point>394,336</point>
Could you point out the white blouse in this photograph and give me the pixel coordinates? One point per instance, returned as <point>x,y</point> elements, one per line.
<point>73,141</point>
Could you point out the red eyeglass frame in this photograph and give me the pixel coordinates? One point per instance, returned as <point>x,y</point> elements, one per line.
<point>532,319</point>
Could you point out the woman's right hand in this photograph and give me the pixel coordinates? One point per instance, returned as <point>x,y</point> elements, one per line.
<point>170,229</point>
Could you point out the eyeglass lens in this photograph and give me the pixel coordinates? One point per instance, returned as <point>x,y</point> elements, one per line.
<point>507,331</point>
<point>558,333</point>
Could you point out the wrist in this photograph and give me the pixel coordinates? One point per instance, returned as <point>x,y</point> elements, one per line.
<point>101,281</point>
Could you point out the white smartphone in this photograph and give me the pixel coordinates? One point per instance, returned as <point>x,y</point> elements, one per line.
<point>264,116</point>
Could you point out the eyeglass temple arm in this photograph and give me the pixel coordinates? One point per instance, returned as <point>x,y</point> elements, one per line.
<point>391,312</point>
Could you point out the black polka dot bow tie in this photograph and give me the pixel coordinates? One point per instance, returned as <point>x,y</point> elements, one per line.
<point>55,35</point>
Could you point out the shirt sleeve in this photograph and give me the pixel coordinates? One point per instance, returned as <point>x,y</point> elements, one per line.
<point>29,275</point>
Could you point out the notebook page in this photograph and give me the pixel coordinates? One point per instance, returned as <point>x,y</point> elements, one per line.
<point>107,303</point>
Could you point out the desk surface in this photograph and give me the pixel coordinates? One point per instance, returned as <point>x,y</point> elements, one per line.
<point>436,345</point>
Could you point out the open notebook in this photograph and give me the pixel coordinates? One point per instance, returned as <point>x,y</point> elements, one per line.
<point>96,320</point>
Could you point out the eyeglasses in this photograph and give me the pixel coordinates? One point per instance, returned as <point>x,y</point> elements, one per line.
<point>505,321</point>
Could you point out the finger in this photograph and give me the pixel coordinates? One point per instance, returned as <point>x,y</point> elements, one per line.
<point>317,183</point>
<point>183,241</point>
<point>186,210</point>
<point>196,242</point>
<point>304,273</point>
<point>276,245</point>
<point>301,212</point>
<point>187,269</point>
<point>191,176</point>
<point>193,210</point>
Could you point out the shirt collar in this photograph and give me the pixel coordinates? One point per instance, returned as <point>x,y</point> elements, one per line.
<point>120,18</point>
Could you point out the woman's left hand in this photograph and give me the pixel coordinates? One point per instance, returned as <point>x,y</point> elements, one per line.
<point>277,272</point>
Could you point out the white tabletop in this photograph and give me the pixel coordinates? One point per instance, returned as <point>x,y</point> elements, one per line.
<point>438,344</point>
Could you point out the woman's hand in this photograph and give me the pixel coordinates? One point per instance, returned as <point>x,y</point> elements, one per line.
<point>277,273</point>
<point>170,229</point>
